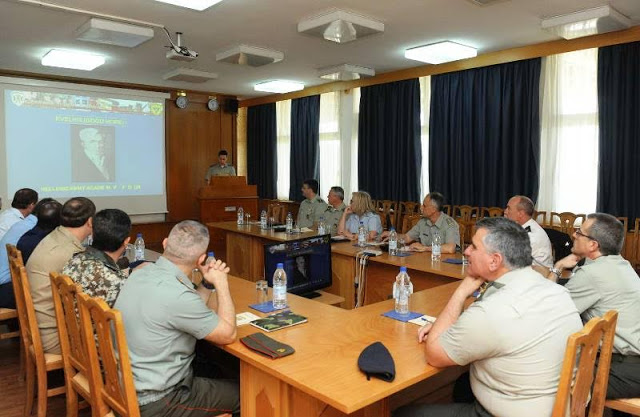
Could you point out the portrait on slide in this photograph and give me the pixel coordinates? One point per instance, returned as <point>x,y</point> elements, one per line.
<point>93,153</point>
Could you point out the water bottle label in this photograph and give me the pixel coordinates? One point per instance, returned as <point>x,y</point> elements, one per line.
<point>393,245</point>
<point>321,230</point>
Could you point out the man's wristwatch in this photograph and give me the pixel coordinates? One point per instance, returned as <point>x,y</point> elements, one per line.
<point>207,285</point>
<point>557,272</point>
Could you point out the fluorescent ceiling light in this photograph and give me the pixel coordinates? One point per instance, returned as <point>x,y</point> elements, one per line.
<point>279,86</point>
<point>253,56</point>
<point>113,33</point>
<point>340,26</point>
<point>345,72</point>
<point>72,59</point>
<point>438,53</point>
<point>198,5</point>
<point>586,22</point>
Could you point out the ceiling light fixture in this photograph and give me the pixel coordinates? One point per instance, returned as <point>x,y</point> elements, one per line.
<point>345,72</point>
<point>441,52</point>
<point>279,86</point>
<point>253,56</point>
<point>113,33</point>
<point>198,5</point>
<point>189,75</point>
<point>601,19</point>
<point>72,59</point>
<point>340,26</point>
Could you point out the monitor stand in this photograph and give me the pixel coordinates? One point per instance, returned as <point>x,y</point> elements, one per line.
<point>312,294</point>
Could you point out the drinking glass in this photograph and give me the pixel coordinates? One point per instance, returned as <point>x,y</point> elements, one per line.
<point>262,291</point>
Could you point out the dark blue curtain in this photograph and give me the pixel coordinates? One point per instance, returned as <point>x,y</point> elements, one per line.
<point>484,134</point>
<point>389,149</point>
<point>619,119</point>
<point>305,143</point>
<point>262,164</point>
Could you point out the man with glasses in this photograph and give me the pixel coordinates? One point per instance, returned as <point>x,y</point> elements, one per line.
<point>607,282</point>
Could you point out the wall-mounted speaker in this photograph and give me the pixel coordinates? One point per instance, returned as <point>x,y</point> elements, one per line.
<point>231,106</point>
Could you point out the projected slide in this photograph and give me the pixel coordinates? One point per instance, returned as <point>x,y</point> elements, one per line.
<point>65,145</point>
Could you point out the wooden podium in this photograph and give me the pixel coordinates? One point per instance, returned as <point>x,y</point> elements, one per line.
<point>219,201</point>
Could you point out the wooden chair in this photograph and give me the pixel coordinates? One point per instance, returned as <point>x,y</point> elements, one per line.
<point>537,215</point>
<point>114,392</point>
<point>447,209</point>
<point>278,212</point>
<point>578,368</point>
<point>625,223</point>
<point>37,362</point>
<point>406,208</point>
<point>491,212</point>
<point>74,353</point>
<point>7,313</point>
<point>409,221</point>
<point>566,221</point>
<point>388,210</point>
<point>465,216</point>
<point>626,405</point>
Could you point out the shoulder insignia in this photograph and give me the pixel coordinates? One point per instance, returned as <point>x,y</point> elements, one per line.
<point>450,221</point>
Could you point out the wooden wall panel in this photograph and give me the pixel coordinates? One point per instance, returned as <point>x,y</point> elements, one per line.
<point>194,136</point>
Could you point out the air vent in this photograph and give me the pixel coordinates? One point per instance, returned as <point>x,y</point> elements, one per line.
<point>486,2</point>
<point>189,75</point>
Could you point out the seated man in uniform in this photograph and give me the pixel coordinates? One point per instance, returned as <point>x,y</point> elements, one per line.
<point>220,169</point>
<point>164,316</point>
<point>606,282</point>
<point>23,203</point>
<point>335,208</point>
<point>313,207</point>
<point>433,221</point>
<point>514,336</point>
<point>95,269</point>
<point>520,209</point>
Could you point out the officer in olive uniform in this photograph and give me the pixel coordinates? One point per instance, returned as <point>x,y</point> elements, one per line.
<point>313,207</point>
<point>221,168</point>
<point>433,220</point>
<point>335,208</point>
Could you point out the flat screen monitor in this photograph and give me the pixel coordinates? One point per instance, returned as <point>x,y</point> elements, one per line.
<point>307,263</point>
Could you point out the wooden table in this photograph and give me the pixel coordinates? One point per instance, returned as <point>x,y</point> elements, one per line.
<point>245,257</point>
<point>381,272</point>
<point>322,377</point>
<point>245,247</point>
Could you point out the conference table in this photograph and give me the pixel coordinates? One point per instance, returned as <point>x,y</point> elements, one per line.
<point>322,377</point>
<point>245,257</point>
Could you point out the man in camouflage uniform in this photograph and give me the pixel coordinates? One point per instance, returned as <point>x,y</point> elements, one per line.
<point>95,269</point>
<point>313,207</point>
<point>433,220</point>
<point>220,169</point>
<point>335,208</point>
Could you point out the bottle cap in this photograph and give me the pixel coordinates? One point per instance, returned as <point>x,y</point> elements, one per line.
<point>403,269</point>
<point>210,254</point>
<point>362,223</point>
<point>280,265</point>
<point>139,235</point>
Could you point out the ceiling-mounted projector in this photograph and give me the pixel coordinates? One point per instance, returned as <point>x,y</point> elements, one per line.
<point>177,51</point>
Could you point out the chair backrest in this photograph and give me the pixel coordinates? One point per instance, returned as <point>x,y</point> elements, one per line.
<point>387,209</point>
<point>406,208</point>
<point>114,386</point>
<point>464,213</point>
<point>409,221</point>
<point>577,384</point>
<point>277,211</point>
<point>566,221</point>
<point>26,311</point>
<point>540,217</point>
<point>491,212</point>
<point>446,208</point>
<point>74,353</point>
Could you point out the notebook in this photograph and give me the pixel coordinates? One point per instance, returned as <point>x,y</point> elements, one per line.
<point>278,321</point>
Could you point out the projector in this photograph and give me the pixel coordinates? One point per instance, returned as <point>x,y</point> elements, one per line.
<point>183,54</point>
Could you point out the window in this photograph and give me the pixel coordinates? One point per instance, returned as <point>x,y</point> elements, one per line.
<point>330,159</point>
<point>569,133</point>
<point>283,123</point>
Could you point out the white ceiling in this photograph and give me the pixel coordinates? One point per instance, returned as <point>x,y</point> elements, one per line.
<point>28,32</point>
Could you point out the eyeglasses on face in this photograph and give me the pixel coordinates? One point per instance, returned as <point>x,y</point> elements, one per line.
<point>581,233</point>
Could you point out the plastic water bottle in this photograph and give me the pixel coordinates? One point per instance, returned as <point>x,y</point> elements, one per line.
<point>362,235</point>
<point>240,216</point>
<point>393,242</point>
<point>402,290</point>
<point>321,226</point>
<point>210,258</point>
<point>279,287</point>
<point>263,219</point>
<point>139,248</point>
<point>436,247</point>
<point>289,228</point>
